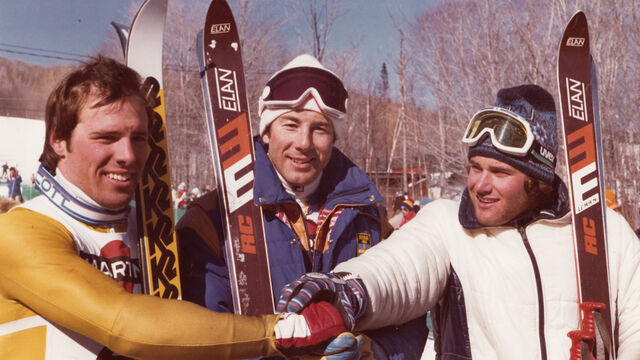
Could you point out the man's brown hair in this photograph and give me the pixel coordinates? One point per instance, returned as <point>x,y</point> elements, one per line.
<point>540,190</point>
<point>105,78</point>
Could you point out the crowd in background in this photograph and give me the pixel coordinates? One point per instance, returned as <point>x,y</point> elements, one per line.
<point>182,197</point>
<point>11,177</point>
<point>404,209</point>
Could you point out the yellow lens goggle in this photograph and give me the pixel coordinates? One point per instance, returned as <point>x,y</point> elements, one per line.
<point>509,132</point>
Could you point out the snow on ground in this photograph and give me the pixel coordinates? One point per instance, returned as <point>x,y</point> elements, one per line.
<point>429,353</point>
<point>21,142</point>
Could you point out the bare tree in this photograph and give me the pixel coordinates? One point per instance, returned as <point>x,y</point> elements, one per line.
<point>24,87</point>
<point>460,61</point>
<point>458,54</point>
<point>263,51</point>
<point>320,16</point>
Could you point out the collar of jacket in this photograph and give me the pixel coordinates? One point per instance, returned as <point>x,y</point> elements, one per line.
<point>558,209</point>
<point>342,182</point>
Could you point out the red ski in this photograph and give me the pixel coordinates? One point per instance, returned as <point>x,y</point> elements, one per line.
<point>233,153</point>
<point>578,97</point>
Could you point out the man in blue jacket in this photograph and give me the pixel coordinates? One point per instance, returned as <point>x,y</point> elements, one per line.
<point>14,182</point>
<point>319,207</point>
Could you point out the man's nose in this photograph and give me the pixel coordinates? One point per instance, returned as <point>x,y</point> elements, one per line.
<point>124,152</point>
<point>484,183</point>
<point>303,140</point>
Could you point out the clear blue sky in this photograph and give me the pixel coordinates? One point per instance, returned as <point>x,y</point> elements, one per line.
<point>65,26</point>
<point>78,26</point>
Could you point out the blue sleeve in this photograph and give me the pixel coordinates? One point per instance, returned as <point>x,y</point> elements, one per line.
<point>402,342</point>
<point>203,271</point>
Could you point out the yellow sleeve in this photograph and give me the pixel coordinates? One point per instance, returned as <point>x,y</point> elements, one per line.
<point>40,268</point>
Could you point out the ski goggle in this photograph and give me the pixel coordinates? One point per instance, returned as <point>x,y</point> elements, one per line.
<point>509,133</point>
<point>292,87</point>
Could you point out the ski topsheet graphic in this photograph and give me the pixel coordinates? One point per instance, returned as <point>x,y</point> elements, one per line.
<point>233,155</point>
<point>154,206</point>
<point>584,160</point>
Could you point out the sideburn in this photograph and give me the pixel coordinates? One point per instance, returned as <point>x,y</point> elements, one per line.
<point>536,194</point>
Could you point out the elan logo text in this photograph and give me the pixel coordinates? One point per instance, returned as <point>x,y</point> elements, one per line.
<point>220,28</point>
<point>575,41</point>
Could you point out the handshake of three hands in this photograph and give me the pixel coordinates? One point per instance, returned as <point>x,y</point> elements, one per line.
<point>321,313</point>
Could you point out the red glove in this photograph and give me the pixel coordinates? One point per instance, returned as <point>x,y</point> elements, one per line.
<point>317,322</point>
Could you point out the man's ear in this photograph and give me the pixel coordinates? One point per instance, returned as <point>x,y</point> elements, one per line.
<point>265,137</point>
<point>59,146</point>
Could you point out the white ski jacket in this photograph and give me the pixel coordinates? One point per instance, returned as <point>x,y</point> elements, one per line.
<point>518,291</point>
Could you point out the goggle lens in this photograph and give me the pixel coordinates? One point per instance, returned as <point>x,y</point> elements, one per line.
<point>507,131</point>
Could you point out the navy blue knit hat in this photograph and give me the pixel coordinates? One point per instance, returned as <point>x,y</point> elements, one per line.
<point>535,105</point>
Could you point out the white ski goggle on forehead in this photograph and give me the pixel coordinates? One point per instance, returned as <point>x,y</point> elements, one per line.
<point>293,87</point>
<point>509,133</point>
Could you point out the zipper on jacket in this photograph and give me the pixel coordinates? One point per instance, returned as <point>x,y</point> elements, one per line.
<point>536,271</point>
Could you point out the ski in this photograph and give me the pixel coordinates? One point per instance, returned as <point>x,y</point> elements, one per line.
<point>229,130</point>
<point>158,248</point>
<point>577,86</point>
<point>123,35</point>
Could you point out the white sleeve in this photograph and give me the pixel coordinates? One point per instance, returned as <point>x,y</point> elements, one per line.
<point>406,274</point>
<point>624,262</point>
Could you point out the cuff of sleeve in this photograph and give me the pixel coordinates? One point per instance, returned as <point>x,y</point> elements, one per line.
<point>273,351</point>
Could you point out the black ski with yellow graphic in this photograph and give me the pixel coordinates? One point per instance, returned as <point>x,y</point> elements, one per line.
<point>158,249</point>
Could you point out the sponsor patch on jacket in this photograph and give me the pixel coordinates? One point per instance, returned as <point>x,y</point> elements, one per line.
<point>363,241</point>
<point>115,261</point>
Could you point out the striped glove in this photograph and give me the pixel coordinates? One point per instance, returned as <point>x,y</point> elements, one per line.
<point>344,291</point>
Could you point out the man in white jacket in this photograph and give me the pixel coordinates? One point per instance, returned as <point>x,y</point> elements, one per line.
<point>497,268</point>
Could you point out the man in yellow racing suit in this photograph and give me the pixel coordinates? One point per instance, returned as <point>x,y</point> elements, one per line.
<point>55,250</point>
